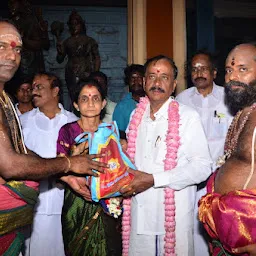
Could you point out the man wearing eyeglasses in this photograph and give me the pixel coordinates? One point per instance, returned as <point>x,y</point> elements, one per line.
<point>208,99</point>
<point>40,129</point>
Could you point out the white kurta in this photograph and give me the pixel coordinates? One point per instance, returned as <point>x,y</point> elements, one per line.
<point>40,135</point>
<point>17,110</point>
<point>209,108</point>
<point>215,128</point>
<point>193,166</point>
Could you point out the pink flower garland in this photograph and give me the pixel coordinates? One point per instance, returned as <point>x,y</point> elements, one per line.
<point>173,143</point>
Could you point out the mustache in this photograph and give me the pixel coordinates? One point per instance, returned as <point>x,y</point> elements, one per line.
<point>157,89</point>
<point>36,95</point>
<point>236,83</point>
<point>7,62</point>
<point>199,78</point>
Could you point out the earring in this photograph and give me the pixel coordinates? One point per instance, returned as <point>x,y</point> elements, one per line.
<point>77,109</point>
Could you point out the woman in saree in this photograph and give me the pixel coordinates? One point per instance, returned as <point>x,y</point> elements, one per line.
<point>87,229</point>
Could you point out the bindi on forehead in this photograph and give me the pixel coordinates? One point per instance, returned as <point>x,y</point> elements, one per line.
<point>13,44</point>
<point>233,61</point>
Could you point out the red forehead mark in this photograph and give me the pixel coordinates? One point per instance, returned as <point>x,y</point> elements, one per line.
<point>157,70</point>
<point>90,85</point>
<point>90,95</point>
<point>13,44</point>
<point>233,61</point>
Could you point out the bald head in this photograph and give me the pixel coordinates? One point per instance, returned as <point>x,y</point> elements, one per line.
<point>241,64</point>
<point>247,50</point>
<point>240,77</point>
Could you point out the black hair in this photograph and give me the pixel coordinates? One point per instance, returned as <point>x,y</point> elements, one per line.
<point>23,80</point>
<point>98,74</point>
<point>92,82</point>
<point>212,59</point>
<point>133,68</point>
<point>84,83</point>
<point>162,57</point>
<point>54,79</point>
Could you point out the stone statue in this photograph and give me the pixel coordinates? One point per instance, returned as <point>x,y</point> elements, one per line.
<point>81,50</point>
<point>34,31</point>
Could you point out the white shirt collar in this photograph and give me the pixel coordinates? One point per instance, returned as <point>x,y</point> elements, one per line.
<point>162,112</point>
<point>62,111</point>
<point>213,93</point>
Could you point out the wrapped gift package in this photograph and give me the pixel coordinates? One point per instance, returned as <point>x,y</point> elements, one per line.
<point>106,140</point>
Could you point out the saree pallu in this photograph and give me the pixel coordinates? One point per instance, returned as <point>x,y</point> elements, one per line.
<point>229,219</point>
<point>18,199</point>
<point>87,230</point>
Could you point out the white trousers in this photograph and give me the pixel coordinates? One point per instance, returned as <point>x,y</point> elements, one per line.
<point>200,236</point>
<point>46,237</point>
<point>151,245</point>
<point>146,245</point>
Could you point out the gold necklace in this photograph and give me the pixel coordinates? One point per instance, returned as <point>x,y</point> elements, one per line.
<point>8,109</point>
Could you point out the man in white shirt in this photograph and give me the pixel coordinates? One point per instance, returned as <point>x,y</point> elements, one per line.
<point>163,140</point>
<point>207,99</point>
<point>24,97</point>
<point>40,128</point>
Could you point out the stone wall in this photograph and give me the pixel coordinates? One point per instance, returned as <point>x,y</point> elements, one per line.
<point>108,26</point>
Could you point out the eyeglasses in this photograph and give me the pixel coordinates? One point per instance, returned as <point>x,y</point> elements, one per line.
<point>202,69</point>
<point>38,87</point>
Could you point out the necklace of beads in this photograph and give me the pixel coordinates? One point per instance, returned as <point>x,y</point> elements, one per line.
<point>233,134</point>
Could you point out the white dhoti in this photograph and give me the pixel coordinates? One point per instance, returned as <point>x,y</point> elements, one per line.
<point>46,239</point>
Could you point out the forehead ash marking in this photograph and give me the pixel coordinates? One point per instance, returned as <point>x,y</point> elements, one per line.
<point>198,65</point>
<point>13,37</point>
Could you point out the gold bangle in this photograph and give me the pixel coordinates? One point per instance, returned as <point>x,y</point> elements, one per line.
<point>69,165</point>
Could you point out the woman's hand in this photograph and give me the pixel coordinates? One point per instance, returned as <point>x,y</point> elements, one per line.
<point>79,185</point>
<point>81,149</point>
<point>251,249</point>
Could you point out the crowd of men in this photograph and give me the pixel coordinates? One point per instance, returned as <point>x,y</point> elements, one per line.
<point>175,145</point>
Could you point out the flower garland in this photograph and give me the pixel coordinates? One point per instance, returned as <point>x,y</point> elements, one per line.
<point>173,143</point>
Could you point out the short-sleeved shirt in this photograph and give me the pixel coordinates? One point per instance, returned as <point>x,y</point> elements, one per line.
<point>123,111</point>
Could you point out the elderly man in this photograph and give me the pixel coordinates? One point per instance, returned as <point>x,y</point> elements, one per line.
<point>40,129</point>
<point>163,140</point>
<point>134,79</point>
<point>228,210</point>
<point>18,196</point>
<point>207,99</point>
